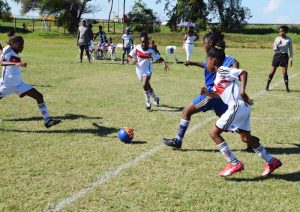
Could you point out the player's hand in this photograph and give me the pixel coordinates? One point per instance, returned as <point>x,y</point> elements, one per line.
<point>166,67</point>
<point>291,63</point>
<point>204,91</point>
<point>246,99</point>
<point>24,65</point>
<point>280,42</point>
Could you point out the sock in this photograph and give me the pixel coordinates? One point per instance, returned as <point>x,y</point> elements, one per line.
<point>262,152</point>
<point>147,96</point>
<point>153,94</point>
<point>227,153</point>
<point>44,110</point>
<point>270,78</point>
<point>286,81</point>
<point>182,129</point>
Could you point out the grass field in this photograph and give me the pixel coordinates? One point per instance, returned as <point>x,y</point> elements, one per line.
<point>41,167</point>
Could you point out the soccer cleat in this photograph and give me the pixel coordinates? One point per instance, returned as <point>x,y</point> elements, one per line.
<point>51,122</point>
<point>172,142</point>
<point>287,90</point>
<point>148,105</point>
<point>156,100</point>
<point>267,87</point>
<point>270,167</point>
<point>231,169</point>
<point>249,149</point>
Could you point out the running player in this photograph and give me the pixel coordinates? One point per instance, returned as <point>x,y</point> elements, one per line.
<point>281,46</point>
<point>142,56</point>
<point>237,116</point>
<point>11,81</point>
<point>127,44</point>
<point>202,103</point>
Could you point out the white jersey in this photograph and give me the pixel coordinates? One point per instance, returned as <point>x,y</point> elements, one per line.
<point>190,39</point>
<point>127,40</point>
<point>282,45</point>
<point>226,84</point>
<point>144,63</point>
<point>11,75</point>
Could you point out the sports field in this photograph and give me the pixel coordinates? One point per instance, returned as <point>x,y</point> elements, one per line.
<point>81,165</point>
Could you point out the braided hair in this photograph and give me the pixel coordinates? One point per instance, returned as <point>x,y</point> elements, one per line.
<point>218,53</point>
<point>213,37</point>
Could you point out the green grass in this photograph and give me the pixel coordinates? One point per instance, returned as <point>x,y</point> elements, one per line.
<point>39,167</point>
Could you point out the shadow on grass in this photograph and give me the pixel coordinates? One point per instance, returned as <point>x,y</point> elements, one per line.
<point>138,142</point>
<point>100,131</point>
<point>283,90</point>
<point>65,117</point>
<point>166,108</point>
<point>293,177</point>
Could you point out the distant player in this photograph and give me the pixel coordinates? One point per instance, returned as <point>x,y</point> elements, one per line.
<point>142,56</point>
<point>281,46</point>
<point>102,41</point>
<point>11,81</point>
<point>127,44</point>
<point>111,48</point>
<point>83,40</point>
<point>202,103</point>
<point>190,38</point>
<point>237,116</point>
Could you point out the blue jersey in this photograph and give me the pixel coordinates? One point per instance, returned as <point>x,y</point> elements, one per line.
<point>210,77</point>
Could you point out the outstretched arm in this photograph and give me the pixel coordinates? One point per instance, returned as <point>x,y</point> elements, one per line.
<point>5,63</point>
<point>191,63</point>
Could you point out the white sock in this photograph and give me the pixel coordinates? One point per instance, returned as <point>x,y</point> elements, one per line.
<point>44,110</point>
<point>147,96</point>
<point>262,152</point>
<point>227,153</point>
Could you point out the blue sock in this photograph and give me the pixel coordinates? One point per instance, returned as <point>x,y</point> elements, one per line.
<point>182,129</point>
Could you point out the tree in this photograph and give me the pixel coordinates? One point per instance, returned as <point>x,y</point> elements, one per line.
<point>143,18</point>
<point>232,16</point>
<point>187,10</point>
<point>5,10</point>
<point>68,12</point>
<point>111,7</point>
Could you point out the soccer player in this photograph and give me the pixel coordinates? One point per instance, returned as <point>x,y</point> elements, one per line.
<point>111,49</point>
<point>142,56</point>
<point>83,40</point>
<point>202,103</point>
<point>127,44</point>
<point>11,81</point>
<point>281,46</point>
<point>102,41</point>
<point>190,37</point>
<point>237,116</point>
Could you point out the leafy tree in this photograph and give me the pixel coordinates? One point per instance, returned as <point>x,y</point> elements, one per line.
<point>69,12</point>
<point>5,10</point>
<point>143,18</point>
<point>111,7</point>
<point>232,16</point>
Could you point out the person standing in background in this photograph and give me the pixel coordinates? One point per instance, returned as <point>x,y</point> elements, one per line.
<point>190,37</point>
<point>83,40</point>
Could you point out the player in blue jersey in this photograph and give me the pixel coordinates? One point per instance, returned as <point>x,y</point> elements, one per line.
<point>202,103</point>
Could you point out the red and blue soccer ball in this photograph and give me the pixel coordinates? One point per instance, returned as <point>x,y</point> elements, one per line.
<point>126,134</point>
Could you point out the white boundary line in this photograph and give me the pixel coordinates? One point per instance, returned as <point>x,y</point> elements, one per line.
<point>114,172</point>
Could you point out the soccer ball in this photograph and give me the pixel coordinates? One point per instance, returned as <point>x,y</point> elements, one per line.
<point>126,134</point>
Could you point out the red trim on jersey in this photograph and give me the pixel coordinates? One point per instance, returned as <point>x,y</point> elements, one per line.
<point>143,55</point>
<point>14,59</point>
<point>221,86</point>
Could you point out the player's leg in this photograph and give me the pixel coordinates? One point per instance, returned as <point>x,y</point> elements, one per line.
<point>284,66</point>
<point>234,165</point>
<point>272,163</point>
<point>123,55</point>
<point>81,47</point>
<point>200,103</point>
<point>33,93</point>
<point>187,51</point>
<point>147,90</point>
<point>273,70</point>
<point>87,51</point>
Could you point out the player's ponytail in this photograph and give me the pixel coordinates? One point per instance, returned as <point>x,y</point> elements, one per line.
<point>213,37</point>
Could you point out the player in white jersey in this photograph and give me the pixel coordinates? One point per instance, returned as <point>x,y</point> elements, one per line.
<point>142,55</point>
<point>237,116</point>
<point>190,38</point>
<point>127,43</point>
<point>11,81</point>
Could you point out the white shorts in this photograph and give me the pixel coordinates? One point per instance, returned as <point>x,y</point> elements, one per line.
<point>141,74</point>
<point>236,117</point>
<point>19,89</point>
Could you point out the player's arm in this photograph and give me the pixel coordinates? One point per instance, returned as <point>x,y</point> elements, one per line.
<point>212,94</point>
<point>5,63</point>
<point>165,65</point>
<point>291,52</point>
<point>191,63</point>
<point>197,37</point>
<point>78,35</point>
<point>131,59</point>
<point>243,78</point>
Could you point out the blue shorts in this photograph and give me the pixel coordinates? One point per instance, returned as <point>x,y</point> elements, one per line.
<point>204,103</point>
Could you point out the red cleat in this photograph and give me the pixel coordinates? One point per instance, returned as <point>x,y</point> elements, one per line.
<point>270,167</point>
<point>231,169</point>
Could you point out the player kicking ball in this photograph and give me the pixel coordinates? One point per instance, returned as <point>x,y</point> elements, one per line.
<point>143,56</point>
<point>237,116</point>
<point>11,81</point>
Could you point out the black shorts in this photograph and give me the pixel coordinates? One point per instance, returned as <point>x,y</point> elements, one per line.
<point>280,59</point>
<point>84,47</point>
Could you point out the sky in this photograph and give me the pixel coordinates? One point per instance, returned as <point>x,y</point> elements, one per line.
<point>262,11</point>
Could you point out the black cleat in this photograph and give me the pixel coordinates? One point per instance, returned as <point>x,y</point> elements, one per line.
<point>51,122</point>
<point>249,149</point>
<point>172,142</point>
<point>288,90</point>
<point>157,101</point>
<point>267,87</point>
